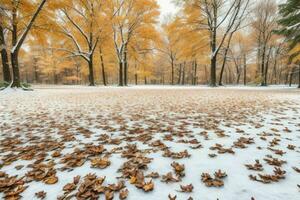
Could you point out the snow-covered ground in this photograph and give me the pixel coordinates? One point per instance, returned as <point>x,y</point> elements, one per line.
<point>52,134</point>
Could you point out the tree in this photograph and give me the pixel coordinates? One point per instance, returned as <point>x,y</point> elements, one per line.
<point>239,51</point>
<point>170,44</point>
<point>16,11</point>
<point>290,22</point>
<point>4,54</point>
<point>131,15</point>
<point>219,18</point>
<point>265,21</point>
<point>82,24</point>
<point>236,27</point>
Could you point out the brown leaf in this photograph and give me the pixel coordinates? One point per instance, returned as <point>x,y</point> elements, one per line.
<point>148,186</point>
<point>76,180</point>
<point>123,194</point>
<point>213,182</point>
<point>296,169</point>
<point>152,175</point>
<point>172,198</point>
<point>69,187</point>
<point>219,174</point>
<point>51,180</point>
<point>101,163</point>
<point>132,180</point>
<point>187,188</point>
<point>109,195</point>
<point>41,194</point>
<point>179,169</point>
<point>257,166</point>
<point>56,154</point>
<point>291,147</point>
<point>169,178</point>
<point>116,187</point>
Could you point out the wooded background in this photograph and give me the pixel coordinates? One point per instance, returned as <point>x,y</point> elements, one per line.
<point>122,42</point>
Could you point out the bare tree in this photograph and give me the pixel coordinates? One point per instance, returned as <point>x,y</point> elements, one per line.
<point>235,28</point>
<point>219,17</point>
<point>265,21</point>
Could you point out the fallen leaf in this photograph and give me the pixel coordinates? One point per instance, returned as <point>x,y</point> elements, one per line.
<point>123,194</point>
<point>148,186</point>
<point>41,194</point>
<point>51,180</point>
<point>187,188</point>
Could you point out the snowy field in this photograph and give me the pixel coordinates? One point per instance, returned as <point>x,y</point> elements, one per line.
<point>150,143</point>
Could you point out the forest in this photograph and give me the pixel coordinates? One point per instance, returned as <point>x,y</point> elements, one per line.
<point>123,42</point>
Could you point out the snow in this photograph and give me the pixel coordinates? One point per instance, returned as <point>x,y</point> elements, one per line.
<point>293,26</point>
<point>47,110</point>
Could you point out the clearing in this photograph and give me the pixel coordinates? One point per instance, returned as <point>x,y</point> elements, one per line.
<point>150,143</point>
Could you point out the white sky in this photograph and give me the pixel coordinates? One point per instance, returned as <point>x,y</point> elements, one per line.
<point>166,8</point>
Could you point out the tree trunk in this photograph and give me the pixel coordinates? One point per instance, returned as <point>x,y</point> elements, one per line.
<point>223,67</point>
<point>125,73</point>
<point>195,73</point>
<point>121,74</point>
<point>5,65</point>
<point>213,60</point>
<point>238,78</point>
<point>4,57</point>
<point>103,68</point>
<point>238,73</point>
<point>125,67</point>
<point>14,54</point>
<point>77,72</point>
<point>257,75</point>
<point>196,77</point>
<point>274,73</point>
<point>135,74</point>
<point>183,74</point>
<point>55,78</point>
<point>291,77</point>
<point>267,67</point>
<point>36,75</point>
<point>179,75</point>
<point>136,79</point>
<point>245,70</point>
<point>279,76</point>
<point>15,69</point>
<point>263,83</point>
<point>213,68</point>
<point>172,75</point>
<point>225,59</point>
<point>91,71</point>
<point>206,74</point>
<point>287,75</point>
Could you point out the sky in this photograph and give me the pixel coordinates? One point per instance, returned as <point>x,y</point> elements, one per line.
<point>166,8</point>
